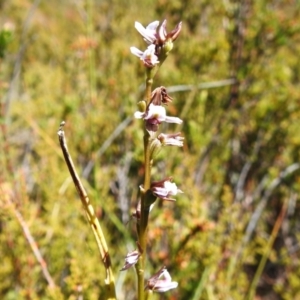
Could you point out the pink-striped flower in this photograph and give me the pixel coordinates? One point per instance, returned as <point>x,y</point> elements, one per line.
<point>161,282</point>
<point>155,34</point>
<point>148,57</point>
<point>158,40</point>
<point>131,259</point>
<point>173,139</point>
<point>154,115</point>
<point>164,189</point>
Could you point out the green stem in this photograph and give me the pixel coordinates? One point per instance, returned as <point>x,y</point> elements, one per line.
<point>139,268</point>
<point>149,82</point>
<point>142,226</point>
<point>149,295</point>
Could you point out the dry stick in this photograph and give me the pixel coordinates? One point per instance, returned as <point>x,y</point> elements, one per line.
<point>266,254</point>
<point>36,251</point>
<point>93,221</point>
<point>201,86</point>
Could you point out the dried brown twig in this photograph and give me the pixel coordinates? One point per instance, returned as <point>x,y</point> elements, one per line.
<point>7,197</point>
<point>90,213</point>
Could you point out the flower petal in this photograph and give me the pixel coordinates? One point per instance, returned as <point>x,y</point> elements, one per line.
<point>153,26</point>
<point>173,120</point>
<point>135,51</point>
<point>164,189</point>
<point>149,57</point>
<point>139,115</point>
<point>131,259</point>
<point>148,33</point>
<point>162,286</point>
<point>171,187</point>
<point>156,111</point>
<point>161,192</point>
<point>175,32</point>
<point>162,33</point>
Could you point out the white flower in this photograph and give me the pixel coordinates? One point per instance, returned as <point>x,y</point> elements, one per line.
<point>156,114</point>
<point>171,139</point>
<point>156,284</point>
<point>149,33</point>
<point>164,189</point>
<point>131,259</point>
<point>148,57</point>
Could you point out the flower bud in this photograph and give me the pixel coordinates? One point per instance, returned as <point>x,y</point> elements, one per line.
<point>168,46</point>
<point>142,106</point>
<point>155,147</point>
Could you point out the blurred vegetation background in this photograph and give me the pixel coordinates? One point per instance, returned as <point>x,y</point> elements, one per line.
<point>234,76</point>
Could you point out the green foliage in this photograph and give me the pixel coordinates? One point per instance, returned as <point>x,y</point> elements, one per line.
<point>66,60</point>
<point>5,38</point>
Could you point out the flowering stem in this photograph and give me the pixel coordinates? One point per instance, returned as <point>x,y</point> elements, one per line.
<point>160,43</point>
<point>142,226</point>
<point>148,165</point>
<point>149,295</point>
<point>149,82</point>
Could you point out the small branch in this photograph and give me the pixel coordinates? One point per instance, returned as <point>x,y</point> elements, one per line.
<point>30,239</point>
<point>266,254</point>
<point>201,86</point>
<point>35,248</point>
<point>89,210</point>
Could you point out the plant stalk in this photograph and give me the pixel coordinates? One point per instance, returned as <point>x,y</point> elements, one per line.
<point>142,226</point>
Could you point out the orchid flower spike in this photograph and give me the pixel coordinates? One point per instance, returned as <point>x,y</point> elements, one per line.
<point>157,38</point>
